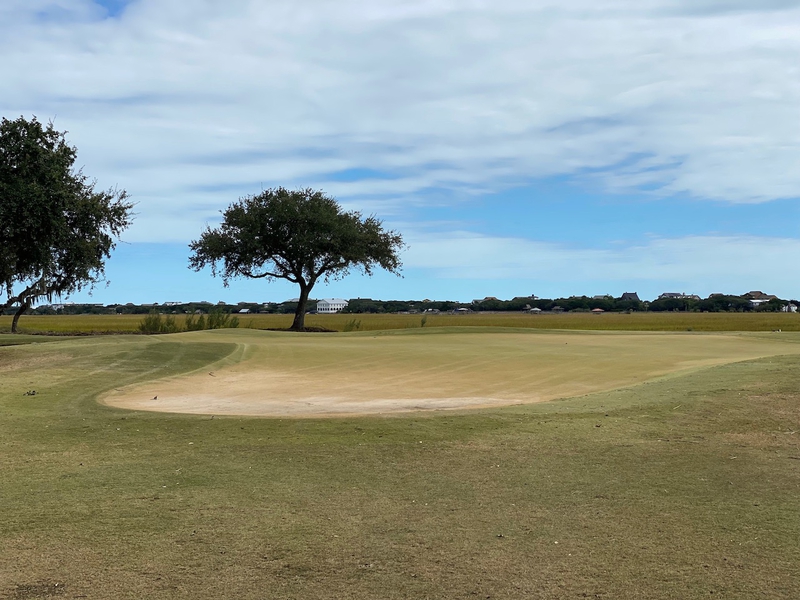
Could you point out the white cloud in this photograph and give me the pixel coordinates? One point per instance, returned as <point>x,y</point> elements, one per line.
<point>174,99</point>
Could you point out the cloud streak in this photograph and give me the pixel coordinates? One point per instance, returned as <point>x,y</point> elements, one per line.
<point>671,97</point>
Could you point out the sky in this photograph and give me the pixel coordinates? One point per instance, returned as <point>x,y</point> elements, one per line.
<point>547,147</point>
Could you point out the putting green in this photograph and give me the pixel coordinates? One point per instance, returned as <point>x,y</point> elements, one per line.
<point>303,375</point>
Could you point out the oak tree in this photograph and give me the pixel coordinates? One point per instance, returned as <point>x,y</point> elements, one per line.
<point>302,236</point>
<point>56,229</point>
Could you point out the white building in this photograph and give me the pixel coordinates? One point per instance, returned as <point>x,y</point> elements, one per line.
<point>330,305</point>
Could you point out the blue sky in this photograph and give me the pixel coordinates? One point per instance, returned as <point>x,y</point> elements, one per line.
<point>521,147</point>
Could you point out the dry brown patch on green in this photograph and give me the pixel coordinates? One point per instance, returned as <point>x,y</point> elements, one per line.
<point>21,358</point>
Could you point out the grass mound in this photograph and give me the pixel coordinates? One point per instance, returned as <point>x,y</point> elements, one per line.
<point>286,374</point>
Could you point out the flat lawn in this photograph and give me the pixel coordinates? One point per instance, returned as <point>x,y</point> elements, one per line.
<point>644,321</point>
<point>684,486</point>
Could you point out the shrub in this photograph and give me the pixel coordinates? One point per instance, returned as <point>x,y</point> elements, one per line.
<point>352,325</point>
<point>154,323</point>
<point>217,319</point>
<point>195,324</point>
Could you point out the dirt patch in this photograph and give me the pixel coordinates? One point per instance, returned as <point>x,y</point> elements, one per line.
<point>41,589</point>
<point>11,361</point>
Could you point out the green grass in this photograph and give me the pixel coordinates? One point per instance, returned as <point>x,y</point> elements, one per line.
<point>367,322</point>
<point>685,487</point>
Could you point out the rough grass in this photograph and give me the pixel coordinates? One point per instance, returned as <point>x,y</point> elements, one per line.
<point>367,322</point>
<point>682,488</point>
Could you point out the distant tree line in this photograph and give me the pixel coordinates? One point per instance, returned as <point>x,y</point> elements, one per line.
<point>714,303</point>
<point>174,309</point>
<point>368,305</point>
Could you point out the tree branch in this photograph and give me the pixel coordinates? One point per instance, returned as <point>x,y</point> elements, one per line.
<point>249,273</point>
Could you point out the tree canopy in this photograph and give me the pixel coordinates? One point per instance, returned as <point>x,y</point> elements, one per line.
<point>299,235</point>
<point>56,230</point>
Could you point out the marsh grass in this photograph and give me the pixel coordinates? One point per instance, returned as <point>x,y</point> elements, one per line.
<point>680,488</point>
<point>352,325</point>
<point>156,323</point>
<point>697,322</point>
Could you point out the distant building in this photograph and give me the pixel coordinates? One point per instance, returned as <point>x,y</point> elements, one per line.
<point>757,298</point>
<point>678,296</point>
<point>331,305</point>
<point>630,296</point>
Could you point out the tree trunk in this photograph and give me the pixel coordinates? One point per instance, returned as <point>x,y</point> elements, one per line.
<point>300,314</point>
<point>22,308</point>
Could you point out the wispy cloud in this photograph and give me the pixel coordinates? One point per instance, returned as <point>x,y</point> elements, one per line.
<point>168,97</point>
<point>387,104</point>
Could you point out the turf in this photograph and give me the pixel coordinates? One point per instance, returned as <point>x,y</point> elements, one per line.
<point>684,487</point>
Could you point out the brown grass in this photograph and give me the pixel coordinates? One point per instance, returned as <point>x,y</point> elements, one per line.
<point>369,322</point>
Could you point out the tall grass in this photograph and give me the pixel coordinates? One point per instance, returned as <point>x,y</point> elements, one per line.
<point>216,320</point>
<point>369,322</point>
<point>352,325</point>
<point>155,322</point>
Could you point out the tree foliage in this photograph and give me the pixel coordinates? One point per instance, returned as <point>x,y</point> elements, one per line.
<point>303,236</point>
<point>56,230</point>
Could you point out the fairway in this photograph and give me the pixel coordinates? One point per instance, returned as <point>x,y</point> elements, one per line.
<point>680,480</point>
<point>283,374</point>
